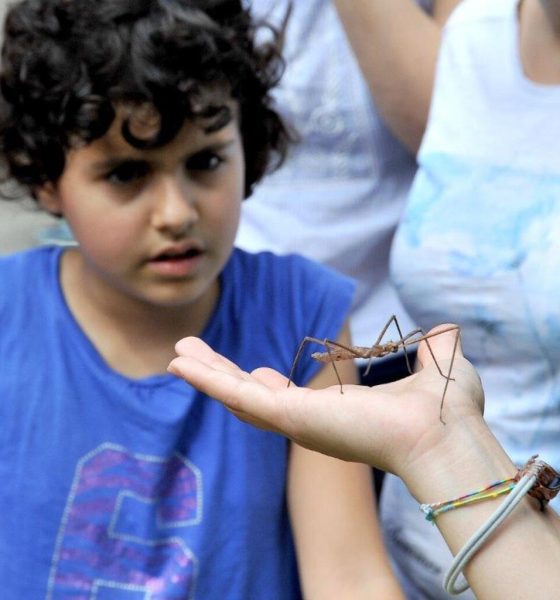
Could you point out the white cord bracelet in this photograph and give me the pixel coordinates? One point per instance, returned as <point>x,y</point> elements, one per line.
<point>483,533</point>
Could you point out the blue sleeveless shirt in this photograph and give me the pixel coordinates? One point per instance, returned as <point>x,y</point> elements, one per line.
<point>123,488</point>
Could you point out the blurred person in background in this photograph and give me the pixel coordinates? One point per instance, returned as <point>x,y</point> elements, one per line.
<point>340,194</point>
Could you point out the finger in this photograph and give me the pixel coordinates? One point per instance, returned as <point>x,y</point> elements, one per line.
<point>273,379</point>
<point>241,392</point>
<point>441,344</point>
<point>464,382</point>
<point>195,370</point>
<point>321,420</point>
<point>253,398</point>
<point>216,377</point>
<point>194,347</point>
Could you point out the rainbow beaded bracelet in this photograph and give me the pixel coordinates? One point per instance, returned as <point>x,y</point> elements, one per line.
<point>546,486</point>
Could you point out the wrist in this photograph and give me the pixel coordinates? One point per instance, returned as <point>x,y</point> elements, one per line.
<point>466,457</point>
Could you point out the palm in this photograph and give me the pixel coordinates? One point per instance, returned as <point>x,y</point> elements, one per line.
<point>388,426</point>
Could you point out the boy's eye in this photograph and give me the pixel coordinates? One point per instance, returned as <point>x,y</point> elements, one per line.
<point>204,161</point>
<point>127,172</point>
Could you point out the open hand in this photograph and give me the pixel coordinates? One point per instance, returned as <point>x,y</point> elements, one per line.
<point>387,426</point>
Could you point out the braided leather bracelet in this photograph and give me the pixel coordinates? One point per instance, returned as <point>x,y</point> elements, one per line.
<point>547,483</point>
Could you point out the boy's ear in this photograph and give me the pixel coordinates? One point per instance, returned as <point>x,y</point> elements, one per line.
<point>49,199</point>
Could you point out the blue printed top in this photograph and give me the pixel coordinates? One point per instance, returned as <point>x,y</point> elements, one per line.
<point>134,488</point>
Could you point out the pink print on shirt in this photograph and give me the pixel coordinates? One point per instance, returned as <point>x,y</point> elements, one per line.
<point>119,532</point>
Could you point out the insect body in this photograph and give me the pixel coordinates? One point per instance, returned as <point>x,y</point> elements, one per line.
<point>336,352</point>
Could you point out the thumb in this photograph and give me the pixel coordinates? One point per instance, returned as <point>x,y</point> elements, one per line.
<point>440,344</point>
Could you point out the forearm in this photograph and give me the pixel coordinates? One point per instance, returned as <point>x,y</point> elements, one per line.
<point>396,427</point>
<point>334,518</point>
<point>338,542</point>
<point>527,542</point>
<point>396,45</point>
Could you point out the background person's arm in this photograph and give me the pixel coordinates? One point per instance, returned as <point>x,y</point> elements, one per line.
<point>396,44</point>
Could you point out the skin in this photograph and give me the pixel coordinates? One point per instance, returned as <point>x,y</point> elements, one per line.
<point>338,541</point>
<point>129,210</point>
<point>552,10</point>
<point>396,44</point>
<point>126,207</point>
<point>539,40</point>
<point>396,427</point>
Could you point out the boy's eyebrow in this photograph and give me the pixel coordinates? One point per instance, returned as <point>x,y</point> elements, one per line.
<point>111,163</point>
<point>213,146</point>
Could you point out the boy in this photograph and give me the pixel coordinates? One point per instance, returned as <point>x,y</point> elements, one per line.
<point>145,124</point>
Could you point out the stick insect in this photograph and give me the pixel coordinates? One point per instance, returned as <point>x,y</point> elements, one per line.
<point>336,352</point>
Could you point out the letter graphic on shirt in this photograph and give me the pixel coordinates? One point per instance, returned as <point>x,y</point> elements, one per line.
<point>119,536</point>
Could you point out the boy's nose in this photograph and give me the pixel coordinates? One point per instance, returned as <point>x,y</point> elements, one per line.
<point>175,208</point>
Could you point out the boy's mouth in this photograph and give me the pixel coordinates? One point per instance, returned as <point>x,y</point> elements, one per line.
<point>172,255</point>
<point>177,261</point>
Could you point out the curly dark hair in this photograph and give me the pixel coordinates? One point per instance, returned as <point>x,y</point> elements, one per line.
<point>67,64</point>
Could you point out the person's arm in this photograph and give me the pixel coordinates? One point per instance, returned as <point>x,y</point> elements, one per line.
<point>522,558</point>
<point>396,427</point>
<point>332,507</point>
<point>396,44</point>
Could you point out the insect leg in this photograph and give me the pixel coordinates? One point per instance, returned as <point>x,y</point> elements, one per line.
<point>405,341</point>
<point>306,340</point>
<point>447,377</point>
<point>392,319</point>
<point>329,346</point>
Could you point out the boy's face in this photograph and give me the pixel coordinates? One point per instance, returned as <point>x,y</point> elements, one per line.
<point>157,224</point>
